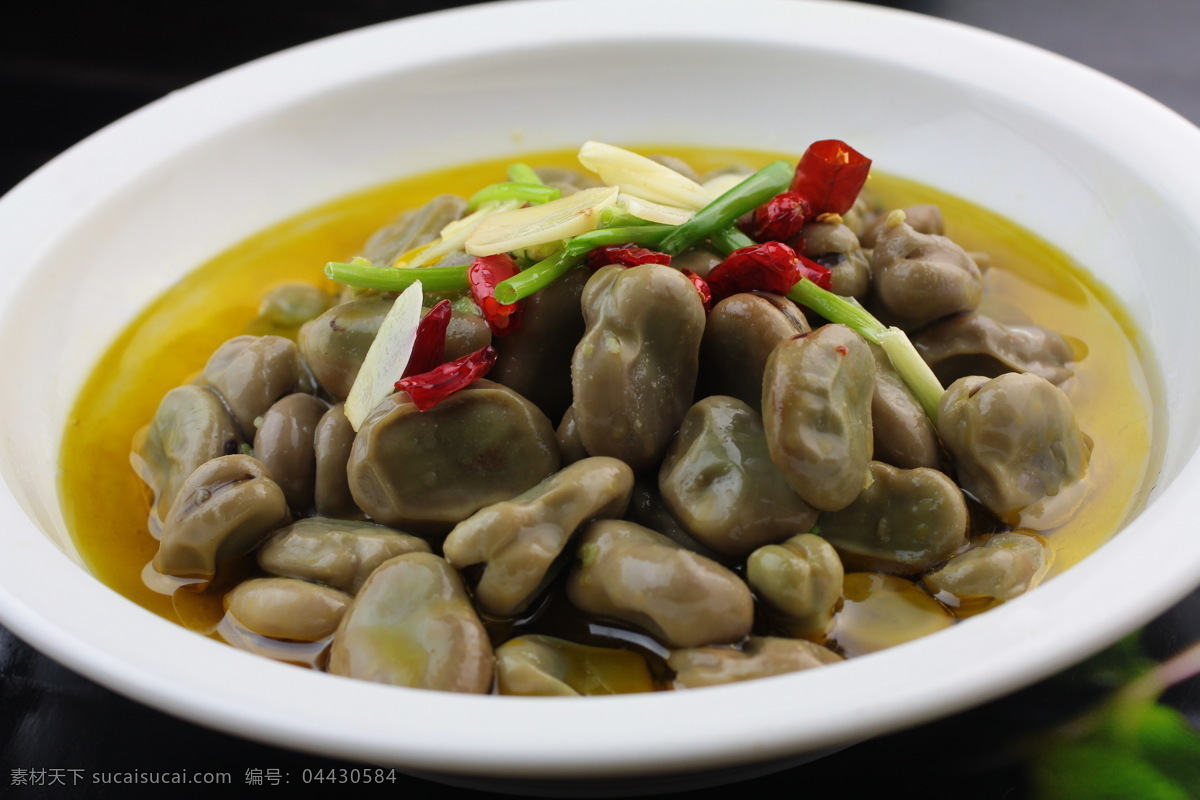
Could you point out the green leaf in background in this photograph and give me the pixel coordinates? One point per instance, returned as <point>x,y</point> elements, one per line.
<point>1130,747</point>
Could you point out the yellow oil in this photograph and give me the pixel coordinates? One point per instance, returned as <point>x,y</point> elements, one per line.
<point>105,505</point>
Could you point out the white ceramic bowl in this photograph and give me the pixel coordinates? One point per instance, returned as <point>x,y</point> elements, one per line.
<point>1087,163</point>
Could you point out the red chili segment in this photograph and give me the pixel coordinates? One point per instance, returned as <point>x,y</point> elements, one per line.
<point>819,274</point>
<point>625,255</point>
<point>430,388</point>
<point>780,218</point>
<point>482,276</point>
<point>702,287</point>
<point>830,174</point>
<point>429,350</point>
<point>770,266</point>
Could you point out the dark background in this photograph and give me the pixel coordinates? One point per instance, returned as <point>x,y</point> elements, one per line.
<point>67,70</point>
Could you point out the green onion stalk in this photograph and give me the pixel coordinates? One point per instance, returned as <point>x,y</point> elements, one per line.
<point>532,193</point>
<point>720,214</point>
<point>365,275</point>
<point>895,343</point>
<point>547,271</point>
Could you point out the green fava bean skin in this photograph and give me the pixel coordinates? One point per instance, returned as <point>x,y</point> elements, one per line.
<point>802,580</point>
<point>739,336</point>
<point>633,574</point>
<point>223,510</point>
<point>634,371</point>
<point>535,359</point>
<point>412,624</point>
<point>335,343</point>
<point>1006,566</point>
<point>429,470</point>
<point>905,522</point>
<point>288,609</point>
<point>817,392</point>
<point>190,427</point>
<point>284,444</point>
<point>519,539</point>
<point>546,666</point>
<point>1014,440</point>
<point>251,373</point>
<point>719,482</point>
<point>761,657</point>
<point>332,441</point>
<point>340,553</point>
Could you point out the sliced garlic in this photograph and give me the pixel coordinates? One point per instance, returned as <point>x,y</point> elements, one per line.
<point>453,236</point>
<point>722,183</point>
<point>641,177</point>
<point>534,225</point>
<point>387,357</point>
<point>654,212</point>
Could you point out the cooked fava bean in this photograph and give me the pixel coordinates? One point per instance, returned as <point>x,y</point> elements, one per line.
<point>412,624</point>
<point>902,434</point>
<point>881,611</point>
<point>546,666</point>
<point>835,246</point>
<point>285,608</point>
<point>974,344</point>
<point>432,469</point>
<point>698,260</point>
<point>518,540</point>
<point>190,427</point>
<point>923,218</point>
<point>535,359</point>
<point>331,447</point>
<point>570,446</point>
<point>336,552</point>
<point>568,180</point>
<point>905,522</point>
<point>922,277</point>
<point>224,509</point>
<point>251,373</point>
<point>647,508</point>
<point>802,580</point>
<point>1005,566</point>
<point>291,305</point>
<point>1013,439</point>
<point>335,343</point>
<point>740,437</point>
<point>739,336</point>
<point>719,482</point>
<point>634,371</point>
<point>817,392</point>
<point>760,657</point>
<point>413,229</point>
<point>633,574</point>
<point>284,444</point>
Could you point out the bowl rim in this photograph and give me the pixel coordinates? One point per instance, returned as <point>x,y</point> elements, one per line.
<point>673,731</point>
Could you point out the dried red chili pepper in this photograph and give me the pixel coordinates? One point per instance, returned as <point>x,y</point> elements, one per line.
<point>819,274</point>
<point>430,388</point>
<point>429,349</point>
<point>770,266</point>
<point>482,276</point>
<point>702,287</point>
<point>780,218</point>
<point>830,174</point>
<point>625,255</point>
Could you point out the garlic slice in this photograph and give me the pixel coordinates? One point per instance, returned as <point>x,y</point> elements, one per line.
<point>549,222</point>
<point>387,357</point>
<point>720,184</point>
<point>642,177</point>
<point>654,212</point>
<point>454,235</point>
